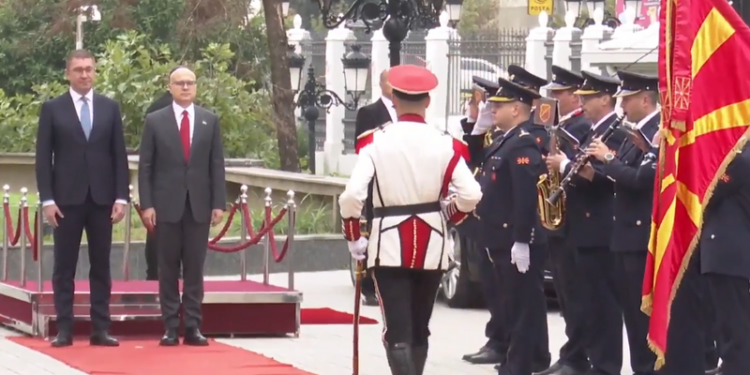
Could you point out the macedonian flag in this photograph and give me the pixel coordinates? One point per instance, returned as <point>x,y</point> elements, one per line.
<point>703,47</point>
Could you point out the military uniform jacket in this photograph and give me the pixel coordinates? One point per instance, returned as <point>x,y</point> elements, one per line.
<point>410,165</point>
<point>726,222</point>
<point>539,133</point>
<point>508,210</point>
<point>578,126</point>
<point>634,190</point>
<point>589,204</point>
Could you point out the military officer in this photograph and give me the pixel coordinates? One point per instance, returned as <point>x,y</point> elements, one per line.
<point>407,249</point>
<point>632,210</point>
<point>589,205</point>
<point>572,358</point>
<point>717,275</point>
<point>477,125</point>
<point>510,228</point>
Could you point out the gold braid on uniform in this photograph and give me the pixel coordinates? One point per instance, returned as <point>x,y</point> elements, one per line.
<point>350,228</point>
<point>488,138</point>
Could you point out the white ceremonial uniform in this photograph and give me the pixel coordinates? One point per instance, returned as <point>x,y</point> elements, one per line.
<point>408,162</point>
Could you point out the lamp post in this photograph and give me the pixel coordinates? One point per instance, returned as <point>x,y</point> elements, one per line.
<point>313,95</point>
<point>400,16</point>
<point>85,13</point>
<point>453,7</point>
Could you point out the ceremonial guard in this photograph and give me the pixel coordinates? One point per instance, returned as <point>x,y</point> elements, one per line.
<point>589,210</point>
<point>715,283</point>
<point>573,358</point>
<point>370,118</point>
<point>410,165</point>
<point>633,178</point>
<point>510,229</point>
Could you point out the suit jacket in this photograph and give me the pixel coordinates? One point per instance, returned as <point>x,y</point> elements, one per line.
<point>166,182</point>
<point>68,166</point>
<point>634,190</point>
<point>590,204</point>
<point>165,100</point>
<point>370,117</point>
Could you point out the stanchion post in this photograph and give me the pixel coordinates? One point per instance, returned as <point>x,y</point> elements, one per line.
<point>22,252</point>
<point>243,231</point>
<point>268,202</point>
<point>291,213</point>
<point>39,224</point>
<point>6,240</point>
<point>126,241</point>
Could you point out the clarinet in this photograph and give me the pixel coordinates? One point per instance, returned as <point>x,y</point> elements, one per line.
<point>580,160</point>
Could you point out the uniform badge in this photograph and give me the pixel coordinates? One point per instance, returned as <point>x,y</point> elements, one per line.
<point>538,140</point>
<point>523,161</point>
<point>725,178</point>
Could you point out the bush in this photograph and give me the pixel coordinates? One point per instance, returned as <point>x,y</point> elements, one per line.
<point>134,75</point>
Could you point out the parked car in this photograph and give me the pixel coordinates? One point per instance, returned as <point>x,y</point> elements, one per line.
<point>471,67</point>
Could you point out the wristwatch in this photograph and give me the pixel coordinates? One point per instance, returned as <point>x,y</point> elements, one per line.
<point>608,157</point>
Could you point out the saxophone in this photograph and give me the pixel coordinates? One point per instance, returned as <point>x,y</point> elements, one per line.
<point>552,215</point>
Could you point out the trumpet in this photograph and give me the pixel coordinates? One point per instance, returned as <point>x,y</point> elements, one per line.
<point>580,160</point>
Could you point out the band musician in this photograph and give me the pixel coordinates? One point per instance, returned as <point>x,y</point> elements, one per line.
<point>411,165</point>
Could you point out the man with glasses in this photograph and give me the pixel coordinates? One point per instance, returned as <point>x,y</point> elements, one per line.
<point>82,178</point>
<point>182,191</point>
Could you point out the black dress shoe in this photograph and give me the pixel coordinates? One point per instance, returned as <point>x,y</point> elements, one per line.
<point>194,337</point>
<point>370,300</point>
<point>170,338</point>
<point>103,338</point>
<point>62,340</point>
<point>467,356</point>
<point>486,357</point>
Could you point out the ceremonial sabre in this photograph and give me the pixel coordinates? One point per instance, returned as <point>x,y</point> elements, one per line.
<point>359,274</point>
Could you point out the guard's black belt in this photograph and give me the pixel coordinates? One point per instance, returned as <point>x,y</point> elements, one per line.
<point>408,210</point>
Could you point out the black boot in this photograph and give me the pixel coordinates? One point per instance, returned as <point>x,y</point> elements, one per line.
<point>400,359</point>
<point>419,352</point>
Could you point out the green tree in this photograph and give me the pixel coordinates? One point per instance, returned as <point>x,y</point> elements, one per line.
<point>479,18</point>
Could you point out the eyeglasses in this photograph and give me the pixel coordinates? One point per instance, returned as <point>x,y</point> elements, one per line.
<point>81,70</point>
<point>184,83</point>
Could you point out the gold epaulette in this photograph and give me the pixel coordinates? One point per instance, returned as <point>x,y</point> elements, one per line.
<point>365,134</point>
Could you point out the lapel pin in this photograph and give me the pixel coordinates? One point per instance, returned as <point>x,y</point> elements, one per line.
<point>204,122</point>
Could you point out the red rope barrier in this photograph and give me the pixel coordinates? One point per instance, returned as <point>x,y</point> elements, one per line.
<point>277,257</point>
<point>31,235</point>
<point>227,225</point>
<point>265,229</point>
<point>9,225</point>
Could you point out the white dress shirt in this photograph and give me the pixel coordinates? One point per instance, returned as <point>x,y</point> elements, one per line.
<point>78,103</point>
<point>178,110</point>
<point>391,109</point>
<point>565,162</point>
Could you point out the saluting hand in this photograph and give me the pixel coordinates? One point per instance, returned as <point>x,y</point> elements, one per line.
<point>598,149</point>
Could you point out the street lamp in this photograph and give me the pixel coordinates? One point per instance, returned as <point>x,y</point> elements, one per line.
<point>454,11</point>
<point>285,7</point>
<point>313,95</point>
<point>400,16</point>
<point>636,6</point>
<point>85,13</point>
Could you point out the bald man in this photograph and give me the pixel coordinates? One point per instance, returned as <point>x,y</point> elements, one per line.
<point>371,117</point>
<point>182,191</point>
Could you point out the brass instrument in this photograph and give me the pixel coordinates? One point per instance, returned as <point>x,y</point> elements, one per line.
<point>552,214</point>
<point>580,160</point>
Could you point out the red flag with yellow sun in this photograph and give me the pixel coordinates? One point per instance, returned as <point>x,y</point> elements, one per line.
<point>703,45</point>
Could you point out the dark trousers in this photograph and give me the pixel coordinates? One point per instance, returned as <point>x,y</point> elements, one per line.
<point>152,258</point>
<point>602,310</point>
<point>629,270</point>
<point>525,308</point>
<point>729,299</point>
<point>407,298</point>
<point>96,221</point>
<point>572,303</point>
<point>181,245</point>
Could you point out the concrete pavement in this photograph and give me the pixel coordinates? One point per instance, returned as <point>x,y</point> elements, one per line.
<point>326,350</point>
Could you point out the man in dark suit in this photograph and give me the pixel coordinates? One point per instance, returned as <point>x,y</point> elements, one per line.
<point>151,250</point>
<point>589,211</point>
<point>82,178</point>
<point>182,191</point>
<point>633,180</point>
<point>369,118</point>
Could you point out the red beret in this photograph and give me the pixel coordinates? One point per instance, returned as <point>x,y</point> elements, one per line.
<point>412,79</point>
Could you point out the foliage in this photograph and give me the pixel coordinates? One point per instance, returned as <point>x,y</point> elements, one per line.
<point>133,74</point>
<point>479,18</point>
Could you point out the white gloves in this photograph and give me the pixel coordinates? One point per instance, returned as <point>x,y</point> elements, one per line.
<point>484,122</point>
<point>358,248</point>
<point>520,256</point>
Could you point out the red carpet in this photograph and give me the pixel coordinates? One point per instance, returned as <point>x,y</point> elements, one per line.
<point>330,316</point>
<point>146,357</point>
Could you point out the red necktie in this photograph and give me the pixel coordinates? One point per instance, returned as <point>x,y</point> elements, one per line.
<point>185,134</point>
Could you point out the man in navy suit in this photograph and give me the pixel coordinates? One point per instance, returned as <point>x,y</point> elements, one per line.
<point>82,178</point>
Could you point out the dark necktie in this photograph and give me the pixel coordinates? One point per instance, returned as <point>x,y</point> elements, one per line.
<point>185,134</point>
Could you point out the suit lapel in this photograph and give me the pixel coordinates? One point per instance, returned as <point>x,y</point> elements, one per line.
<point>498,143</point>
<point>70,112</point>
<point>96,122</point>
<point>200,130</point>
